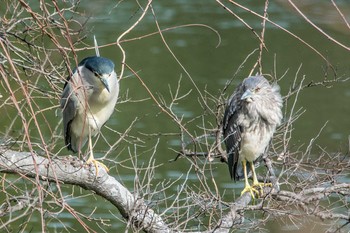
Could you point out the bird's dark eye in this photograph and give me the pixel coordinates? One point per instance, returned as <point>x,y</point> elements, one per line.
<point>95,73</point>
<point>257,89</point>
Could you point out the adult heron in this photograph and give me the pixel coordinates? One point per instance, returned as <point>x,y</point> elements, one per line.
<point>88,100</point>
<point>252,114</point>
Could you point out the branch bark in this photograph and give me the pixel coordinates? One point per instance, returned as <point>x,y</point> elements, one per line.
<point>67,170</point>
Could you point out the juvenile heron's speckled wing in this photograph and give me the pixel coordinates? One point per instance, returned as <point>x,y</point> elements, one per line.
<point>232,131</point>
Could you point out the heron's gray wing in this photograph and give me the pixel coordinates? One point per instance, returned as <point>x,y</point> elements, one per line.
<point>69,106</point>
<point>232,132</point>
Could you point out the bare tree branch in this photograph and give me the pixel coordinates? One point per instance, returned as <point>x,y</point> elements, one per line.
<point>70,171</point>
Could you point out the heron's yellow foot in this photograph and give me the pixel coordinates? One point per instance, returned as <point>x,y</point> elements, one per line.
<point>251,190</point>
<point>96,163</point>
<point>261,185</point>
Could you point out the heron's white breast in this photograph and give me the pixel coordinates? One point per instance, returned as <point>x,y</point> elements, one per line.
<point>101,107</point>
<point>99,114</point>
<point>95,105</point>
<point>253,145</point>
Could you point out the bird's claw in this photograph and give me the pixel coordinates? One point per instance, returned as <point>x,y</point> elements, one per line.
<point>261,186</point>
<point>251,190</point>
<point>96,163</point>
<point>255,188</point>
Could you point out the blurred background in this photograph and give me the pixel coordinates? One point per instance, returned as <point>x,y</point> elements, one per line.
<point>209,53</point>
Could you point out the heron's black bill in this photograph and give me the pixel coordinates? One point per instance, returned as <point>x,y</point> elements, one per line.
<point>105,83</point>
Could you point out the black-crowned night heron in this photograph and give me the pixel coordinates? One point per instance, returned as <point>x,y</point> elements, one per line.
<point>252,114</point>
<point>88,100</point>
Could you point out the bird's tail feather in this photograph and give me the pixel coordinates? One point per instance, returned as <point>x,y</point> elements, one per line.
<point>239,174</point>
<point>74,143</point>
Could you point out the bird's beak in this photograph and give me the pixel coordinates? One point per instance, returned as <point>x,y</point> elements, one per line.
<point>247,95</point>
<point>105,83</point>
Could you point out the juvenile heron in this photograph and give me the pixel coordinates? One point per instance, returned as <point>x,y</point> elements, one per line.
<point>88,100</point>
<point>252,114</point>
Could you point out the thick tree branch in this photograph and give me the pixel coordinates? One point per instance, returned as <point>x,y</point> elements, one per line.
<point>67,170</point>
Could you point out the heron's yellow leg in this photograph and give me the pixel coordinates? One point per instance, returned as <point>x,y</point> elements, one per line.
<point>247,187</point>
<point>256,183</point>
<point>91,158</point>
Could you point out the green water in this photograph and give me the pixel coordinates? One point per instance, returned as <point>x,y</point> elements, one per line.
<point>210,66</point>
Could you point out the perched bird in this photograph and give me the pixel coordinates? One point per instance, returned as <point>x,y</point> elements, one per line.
<point>87,102</point>
<point>252,114</point>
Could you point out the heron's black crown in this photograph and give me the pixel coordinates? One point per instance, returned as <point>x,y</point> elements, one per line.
<point>99,65</point>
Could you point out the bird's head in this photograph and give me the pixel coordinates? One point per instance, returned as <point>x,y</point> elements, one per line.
<point>101,68</point>
<point>255,88</point>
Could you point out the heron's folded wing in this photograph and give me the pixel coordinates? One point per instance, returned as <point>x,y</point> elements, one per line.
<point>232,134</point>
<point>69,106</point>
